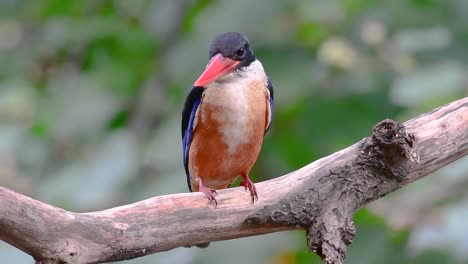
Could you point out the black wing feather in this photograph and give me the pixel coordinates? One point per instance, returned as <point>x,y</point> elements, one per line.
<point>272,97</point>
<point>188,116</point>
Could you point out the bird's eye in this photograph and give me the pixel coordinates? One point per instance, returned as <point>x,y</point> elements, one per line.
<point>240,52</point>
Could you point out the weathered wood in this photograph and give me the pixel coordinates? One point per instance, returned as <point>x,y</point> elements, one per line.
<point>320,198</point>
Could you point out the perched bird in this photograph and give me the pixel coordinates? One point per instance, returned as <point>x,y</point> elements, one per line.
<point>225,117</point>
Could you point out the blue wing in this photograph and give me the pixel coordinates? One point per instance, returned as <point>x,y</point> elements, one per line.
<point>188,116</point>
<point>270,89</point>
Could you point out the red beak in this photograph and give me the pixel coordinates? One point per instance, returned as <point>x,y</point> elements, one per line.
<point>217,67</point>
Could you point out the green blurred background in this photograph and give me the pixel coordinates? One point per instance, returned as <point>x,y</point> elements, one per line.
<point>91,94</point>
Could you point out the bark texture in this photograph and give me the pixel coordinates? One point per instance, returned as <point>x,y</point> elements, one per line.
<point>320,198</point>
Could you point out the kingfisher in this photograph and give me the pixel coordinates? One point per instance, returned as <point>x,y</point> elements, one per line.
<point>225,117</point>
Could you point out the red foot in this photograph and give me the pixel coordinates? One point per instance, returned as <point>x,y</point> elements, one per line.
<point>209,193</point>
<point>248,184</point>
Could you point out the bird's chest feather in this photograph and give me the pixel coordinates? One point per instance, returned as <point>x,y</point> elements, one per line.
<point>236,114</point>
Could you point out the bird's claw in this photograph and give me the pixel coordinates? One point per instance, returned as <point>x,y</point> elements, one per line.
<point>248,184</point>
<point>209,194</point>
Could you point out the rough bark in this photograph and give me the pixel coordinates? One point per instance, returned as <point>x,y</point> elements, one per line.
<point>320,198</point>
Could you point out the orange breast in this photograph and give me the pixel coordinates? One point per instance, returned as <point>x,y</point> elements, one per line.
<point>228,134</point>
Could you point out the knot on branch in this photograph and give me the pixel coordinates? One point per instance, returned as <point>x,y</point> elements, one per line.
<point>330,241</point>
<point>389,149</point>
<point>328,225</point>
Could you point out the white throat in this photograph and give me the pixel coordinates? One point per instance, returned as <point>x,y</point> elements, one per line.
<point>254,71</point>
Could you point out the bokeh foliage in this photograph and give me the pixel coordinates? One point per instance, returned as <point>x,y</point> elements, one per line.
<point>91,94</point>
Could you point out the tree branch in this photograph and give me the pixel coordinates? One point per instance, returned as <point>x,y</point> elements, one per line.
<point>320,198</point>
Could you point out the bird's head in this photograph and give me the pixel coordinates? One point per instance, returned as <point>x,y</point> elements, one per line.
<point>229,52</point>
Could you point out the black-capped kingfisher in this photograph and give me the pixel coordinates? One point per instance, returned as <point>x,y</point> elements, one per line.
<point>226,115</point>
